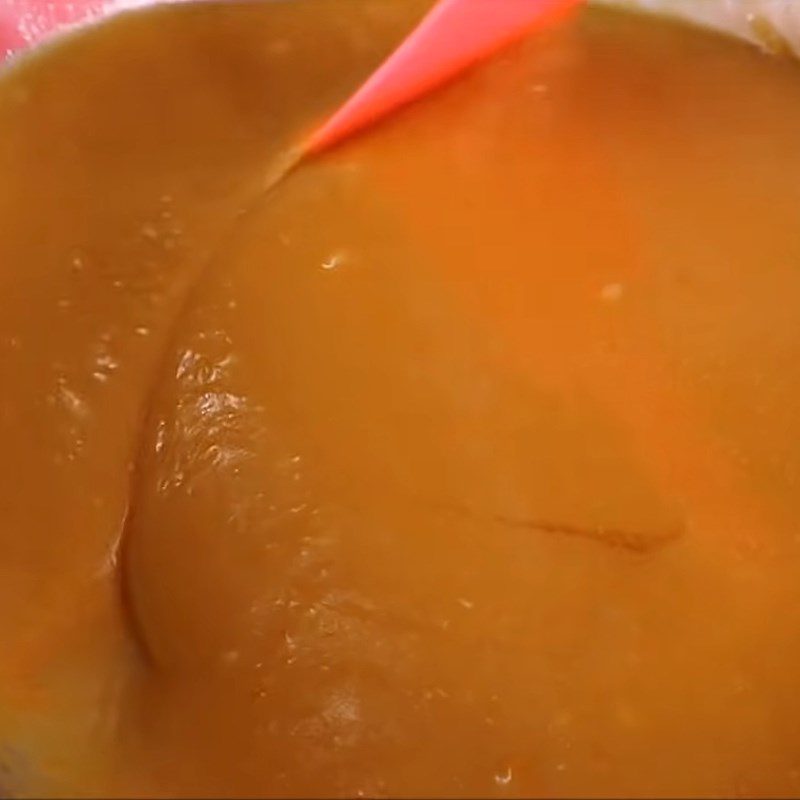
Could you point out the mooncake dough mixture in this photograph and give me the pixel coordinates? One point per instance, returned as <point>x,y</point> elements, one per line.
<point>463,462</point>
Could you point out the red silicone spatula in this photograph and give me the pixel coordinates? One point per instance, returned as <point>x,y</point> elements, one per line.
<point>454,35</point>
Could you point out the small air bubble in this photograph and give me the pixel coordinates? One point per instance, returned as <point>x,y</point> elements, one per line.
<point>504,778</point>
<point>141,330</point>
<point>105,365</point>
<point>334,261</point>
<point>73,401</point>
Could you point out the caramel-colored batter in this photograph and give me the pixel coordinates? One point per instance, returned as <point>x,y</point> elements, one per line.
<point>464,462</point>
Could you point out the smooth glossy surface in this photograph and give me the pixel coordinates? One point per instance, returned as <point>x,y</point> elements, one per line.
<point>401,487</point>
